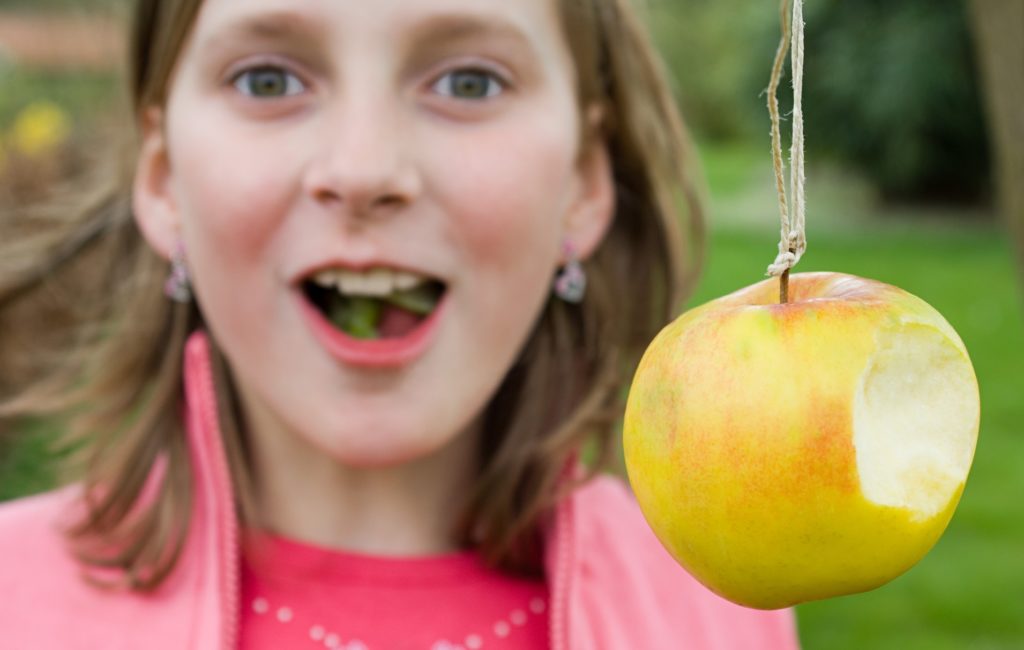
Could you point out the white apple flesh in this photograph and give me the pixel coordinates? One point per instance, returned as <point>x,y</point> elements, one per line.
<point>790,452</point>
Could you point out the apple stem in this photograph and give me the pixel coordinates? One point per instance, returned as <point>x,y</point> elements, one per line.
<point>784,284</point>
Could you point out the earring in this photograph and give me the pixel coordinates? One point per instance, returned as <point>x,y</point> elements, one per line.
<point>177,286</point>
<point>571,282</point>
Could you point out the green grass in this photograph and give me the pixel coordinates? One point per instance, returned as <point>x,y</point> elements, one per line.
<point>968,593</point>
<point>25,466</point>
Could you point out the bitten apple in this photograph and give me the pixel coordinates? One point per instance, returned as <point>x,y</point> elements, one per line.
<point>790,452</point>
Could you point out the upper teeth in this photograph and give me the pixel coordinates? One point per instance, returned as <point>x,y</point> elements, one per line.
<point>373,282</point>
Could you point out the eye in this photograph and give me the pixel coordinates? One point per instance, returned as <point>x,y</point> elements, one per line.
<point>268,82</point>
<point>469,83</point>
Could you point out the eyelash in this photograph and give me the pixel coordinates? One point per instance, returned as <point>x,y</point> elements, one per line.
<point>497,84</point>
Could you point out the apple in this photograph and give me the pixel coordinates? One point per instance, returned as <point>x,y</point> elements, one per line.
<point>790,452</point>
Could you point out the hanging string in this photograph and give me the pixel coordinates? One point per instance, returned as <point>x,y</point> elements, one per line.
<point>793,240</point>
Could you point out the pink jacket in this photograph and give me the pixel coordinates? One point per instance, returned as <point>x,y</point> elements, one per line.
<point>613,586</point>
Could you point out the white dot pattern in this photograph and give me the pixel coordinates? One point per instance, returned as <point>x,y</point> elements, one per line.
<point>317,633</point>
<point>502,629</point>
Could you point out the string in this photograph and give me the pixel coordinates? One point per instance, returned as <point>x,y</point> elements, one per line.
<point>793,239</point>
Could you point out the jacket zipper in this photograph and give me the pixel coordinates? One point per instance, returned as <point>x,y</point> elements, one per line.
<point>223,506</point>
<point>560,586</point>
<point>232,586</point>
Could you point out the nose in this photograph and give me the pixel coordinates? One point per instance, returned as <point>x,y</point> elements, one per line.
<point>364,164</point>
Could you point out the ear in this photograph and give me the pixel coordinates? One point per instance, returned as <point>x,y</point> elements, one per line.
<point>593,209</point>
<point>153,205</point>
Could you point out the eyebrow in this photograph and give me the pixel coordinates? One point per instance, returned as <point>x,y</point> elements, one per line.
<point>454,27</point>
<point>272,26</point>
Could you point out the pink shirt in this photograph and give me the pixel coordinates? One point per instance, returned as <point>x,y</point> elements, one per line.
<point>296,595</point>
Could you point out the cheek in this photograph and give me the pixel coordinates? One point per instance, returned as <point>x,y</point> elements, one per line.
<point>507,197</point>
<point>512,190</point>
<point>233,193</point>
<point>232,188</point>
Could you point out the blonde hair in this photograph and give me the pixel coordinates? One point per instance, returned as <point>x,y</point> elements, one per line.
<point>114,370</point>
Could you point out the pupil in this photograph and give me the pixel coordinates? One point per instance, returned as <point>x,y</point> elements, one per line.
<point>470,84</point>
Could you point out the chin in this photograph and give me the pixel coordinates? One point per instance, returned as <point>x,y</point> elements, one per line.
<point>374,441</point>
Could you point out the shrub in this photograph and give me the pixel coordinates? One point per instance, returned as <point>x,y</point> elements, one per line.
<point>890,87</point>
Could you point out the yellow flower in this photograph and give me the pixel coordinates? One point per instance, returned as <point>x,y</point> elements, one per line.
<point>39,128</point>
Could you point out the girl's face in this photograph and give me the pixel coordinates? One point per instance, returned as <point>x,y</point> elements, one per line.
<point>373,198</point>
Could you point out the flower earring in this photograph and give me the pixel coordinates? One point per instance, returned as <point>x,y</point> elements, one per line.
<point>177,287</point>
<point>571,282</point>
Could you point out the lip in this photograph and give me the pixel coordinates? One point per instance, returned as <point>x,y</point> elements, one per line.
<point>380,353</point>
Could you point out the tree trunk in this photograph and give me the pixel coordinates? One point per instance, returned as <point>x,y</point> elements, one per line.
<point>998,27</point>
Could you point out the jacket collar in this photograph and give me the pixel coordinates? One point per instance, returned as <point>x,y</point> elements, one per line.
<point>213,535</point>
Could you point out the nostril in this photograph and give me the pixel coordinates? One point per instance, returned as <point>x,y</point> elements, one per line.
<point>326,195</point>
<point>390,201</point>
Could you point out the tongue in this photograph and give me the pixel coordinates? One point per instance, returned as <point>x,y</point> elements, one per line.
<point>396,322</point>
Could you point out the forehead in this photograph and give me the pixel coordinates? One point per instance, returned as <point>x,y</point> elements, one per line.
<point>532,23</point>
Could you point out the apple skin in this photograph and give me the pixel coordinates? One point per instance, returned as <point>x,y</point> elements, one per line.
<point>738,441</point>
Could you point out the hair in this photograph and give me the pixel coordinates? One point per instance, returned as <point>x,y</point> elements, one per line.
<point>83,316</point>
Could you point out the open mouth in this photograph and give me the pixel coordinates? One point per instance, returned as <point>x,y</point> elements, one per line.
<point>375,304</point>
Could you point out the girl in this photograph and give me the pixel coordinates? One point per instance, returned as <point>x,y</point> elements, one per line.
<point>414,248</point>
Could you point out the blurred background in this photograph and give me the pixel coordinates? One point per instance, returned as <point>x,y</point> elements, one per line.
<point>915,132</point>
